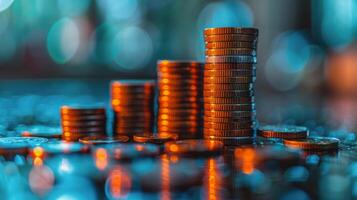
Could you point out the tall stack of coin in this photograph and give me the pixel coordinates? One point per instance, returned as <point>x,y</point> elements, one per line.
<point>229,76</point>
<point>77,122</point>
<point>133,105</point>
<point>180,98</point>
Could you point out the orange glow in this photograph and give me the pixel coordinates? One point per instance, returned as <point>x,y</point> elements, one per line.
<point>26,134</point>
<point>66,134</point>
<point>38,152</point>
<point>341,72</point>
<point>247,157</point>
<point>165,178</point>
<point>139,147</point>
<point>37,161</point>
<point>174,159</point>
<point>115,102</point>
<point>101,158</point>
<point>119,183</point>
<point>213,182</point>
<point>173,148</point>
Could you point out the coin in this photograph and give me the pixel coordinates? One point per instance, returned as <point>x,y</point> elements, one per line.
<point>82,110</point>
<point>229,93</point>
<point>230,66</point>
<point>230,52</point>
<point>232,141</point>
<point>194,147</point>
<point>238,100</point>
<point>83,118</point>
<point>228,86</point>
<point>227,107</point>
<point>231,30</point>
<point>237,79</point>
<point>230,37</point>
<point>129,151</point>
<point>230,45</point>
<point>229,73</point>
<point>179,118</point>
<point>179,129</point>
<point>228,126</point>
<point>229,114</point>
<point>231,59</point>
<point>229,133</point>
<point>178,63</point>
<point>283,131</point>
<point>95,140</point>
<point>133,83</point>
<point>228,119</point>
<point>155,138</point>
<point>313,143</point>
<point>76,124</point>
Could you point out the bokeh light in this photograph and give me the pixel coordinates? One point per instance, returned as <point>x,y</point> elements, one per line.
<point>4,4</point>
<point>117,10</point>
<point>41,179</point>
<point>133,48</point>
<point>63,40</point>
<point>118,184</point>
<point>285,67</point>
<point>338,29</point>
<point>73,8</point>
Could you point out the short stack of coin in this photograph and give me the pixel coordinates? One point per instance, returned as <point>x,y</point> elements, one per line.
<point>133,106</point>
<point>229,76</point>
<point>77,122</point>
<point>180,98</point>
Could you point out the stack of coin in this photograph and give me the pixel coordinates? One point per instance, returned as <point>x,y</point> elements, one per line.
<point>77,122</point>
<point>229,76</point>
<point>180,98</point>
<point>133,106</point>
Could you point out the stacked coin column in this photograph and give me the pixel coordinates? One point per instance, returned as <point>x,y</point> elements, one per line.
<point>229,76</point>
<point>133,107</point>
<point>180,98</point>
<point>78,122</point>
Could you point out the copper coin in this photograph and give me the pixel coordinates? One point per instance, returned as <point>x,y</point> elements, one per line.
<point>228,86</point>
<point>67,110</point>
<point>231,45</point>
<point>231,59</point>
<point>227,107</point>
<point>155,138</point>
<point>228,119</point>
<point>238,79</point>
<point>229,133</point>
<point>313,143</point>
<point>133,83</point>
<point>230,66</point>
<point>238,100</point>
<point>230,38</point>
<point>95,140</point>
<point>229,93</point>
<point>228,126</point>
<point>283,131</point>
<point>229,73</point>
<point>231,30</point>
<point>178,63</point>
<point>83,118</point>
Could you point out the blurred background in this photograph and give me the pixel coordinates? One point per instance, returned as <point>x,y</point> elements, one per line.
<point>64,51</point>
